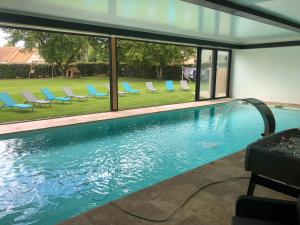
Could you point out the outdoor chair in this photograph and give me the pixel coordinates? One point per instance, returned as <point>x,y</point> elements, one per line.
<point>121,93</point>
<point>184,85</point>
<point>30,98</point>
<point>51,97</point>
<point>150,87</point>
<point>69,93</point>
<point>169,85</point>
<point>129,89</point>
<point>259,211</point>
<point>93,92</point>
<point>8,102</point>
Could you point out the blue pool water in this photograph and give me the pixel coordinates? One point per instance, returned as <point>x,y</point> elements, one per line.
<point>50,175</point>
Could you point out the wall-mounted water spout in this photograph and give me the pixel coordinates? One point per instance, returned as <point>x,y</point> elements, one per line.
<point>265,112</point>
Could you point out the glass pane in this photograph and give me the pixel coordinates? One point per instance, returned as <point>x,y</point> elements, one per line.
<point>206,74</point>
<point>61,65</point>
<point>222,74</point>
<point>153,74</point>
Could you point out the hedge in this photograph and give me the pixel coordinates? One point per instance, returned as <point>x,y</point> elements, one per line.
<point>12,71</point>
<point>143,71</point>
<point>172,72</point>
<point>91,68</point>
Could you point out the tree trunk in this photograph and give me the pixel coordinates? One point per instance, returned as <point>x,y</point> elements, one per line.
<point>66,65</point>
<point>60,68</point>
<point>159,71</point>
<point>65,68</point>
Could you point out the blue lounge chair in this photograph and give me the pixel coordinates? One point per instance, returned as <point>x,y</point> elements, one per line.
<point>93,92</point>
<point>128,89</point>
<point>8,102</point>
<point>50,97</point>
<point>169,85</point>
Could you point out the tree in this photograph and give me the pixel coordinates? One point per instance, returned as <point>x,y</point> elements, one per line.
<point>98,49</point>
<point>158,54</point>
<point>61,49</point>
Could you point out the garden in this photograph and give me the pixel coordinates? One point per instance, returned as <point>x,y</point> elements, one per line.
<point>93,105</point>
<point>74,61</point>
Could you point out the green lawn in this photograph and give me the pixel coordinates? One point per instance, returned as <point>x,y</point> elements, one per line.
<point>14,87</point>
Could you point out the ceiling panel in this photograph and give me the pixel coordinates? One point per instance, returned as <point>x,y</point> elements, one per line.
<point>287,9</point>
<point>173,17</point>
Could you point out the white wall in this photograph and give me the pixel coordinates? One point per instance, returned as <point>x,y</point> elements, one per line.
<point>269,74</point>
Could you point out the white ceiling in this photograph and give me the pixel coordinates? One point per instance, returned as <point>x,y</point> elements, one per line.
<point>173,17</point>
<point>287,9</point>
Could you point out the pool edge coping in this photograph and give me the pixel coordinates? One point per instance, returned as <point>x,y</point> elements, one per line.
<point>88,118</point>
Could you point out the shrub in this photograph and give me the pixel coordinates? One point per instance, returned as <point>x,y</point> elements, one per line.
<point>91,68</point>
<point>143,71</point>
<point>172,72</point>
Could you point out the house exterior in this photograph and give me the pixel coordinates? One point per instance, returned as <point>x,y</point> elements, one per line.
<point>19,55</point>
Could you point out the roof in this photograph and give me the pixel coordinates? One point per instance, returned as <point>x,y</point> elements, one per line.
<point>6,53</point>
<point>17,55</point>
<point>238,22</point>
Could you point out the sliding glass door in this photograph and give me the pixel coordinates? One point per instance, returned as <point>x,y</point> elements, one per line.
<point>206,74</point>
<point>222,74</point>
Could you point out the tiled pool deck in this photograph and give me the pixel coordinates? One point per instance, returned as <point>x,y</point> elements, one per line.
<point>64,121</point>
<point>214,205</point>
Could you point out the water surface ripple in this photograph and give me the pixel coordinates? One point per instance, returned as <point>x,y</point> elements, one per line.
<point>50,175</point>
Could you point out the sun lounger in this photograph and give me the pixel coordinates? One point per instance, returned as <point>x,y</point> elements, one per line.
<point>93,92</point>
<point>69,93</point>
<point>150,87</point>
<point>30,98</point>
<point>169,85</point>
<point>129,89</point>
<point>121,93</point>
<point>184,85</point>
<point>8,102</point>
<point>51,97</point>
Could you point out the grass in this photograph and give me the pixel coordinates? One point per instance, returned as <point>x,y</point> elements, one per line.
<point>93,105</point>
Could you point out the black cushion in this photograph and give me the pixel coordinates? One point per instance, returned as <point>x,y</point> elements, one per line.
<point>248,221</point>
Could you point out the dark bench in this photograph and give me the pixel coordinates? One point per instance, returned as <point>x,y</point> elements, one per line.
<point>264,211</point>
<point>274,162</point>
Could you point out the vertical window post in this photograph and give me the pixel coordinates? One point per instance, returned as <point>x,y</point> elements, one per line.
<point>214,73</point>
<point>198,73</point>
<point>228,73</point>
<point>113,74</point>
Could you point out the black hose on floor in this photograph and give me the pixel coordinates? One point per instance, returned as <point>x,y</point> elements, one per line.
<point>182,205</point>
